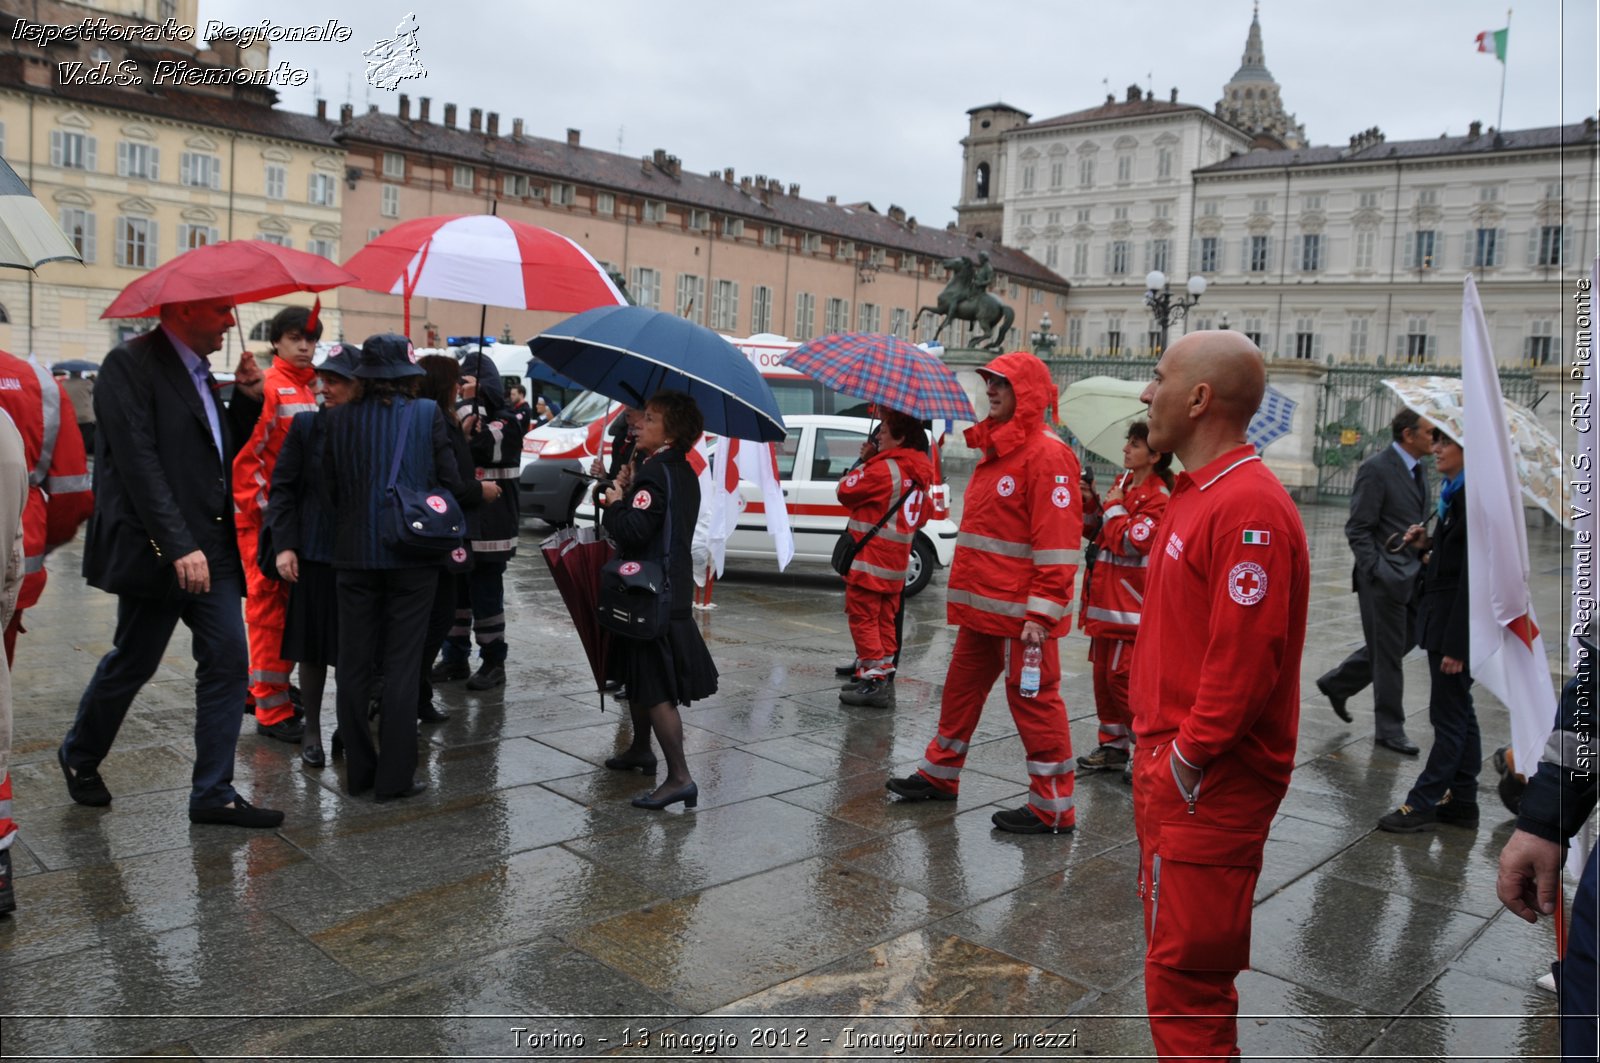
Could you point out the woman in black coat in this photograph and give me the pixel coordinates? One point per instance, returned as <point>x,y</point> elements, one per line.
<point>661,496</point>
<point>1447,789</point>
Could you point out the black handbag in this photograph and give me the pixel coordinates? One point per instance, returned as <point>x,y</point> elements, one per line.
<point>848,546</point>
<point>423,521</point>
<point>636,596</point>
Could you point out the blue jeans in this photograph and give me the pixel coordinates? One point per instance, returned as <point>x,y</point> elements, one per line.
<point>1457,752</point>
<point>222,663</point>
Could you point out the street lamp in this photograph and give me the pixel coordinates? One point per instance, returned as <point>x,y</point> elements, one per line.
<point>1165,309</point>
<point>1044,341</point>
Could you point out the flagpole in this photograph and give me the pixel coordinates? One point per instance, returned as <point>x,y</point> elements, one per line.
<point>1500,119</point>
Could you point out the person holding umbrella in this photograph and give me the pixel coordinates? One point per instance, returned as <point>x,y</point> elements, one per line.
<point>676,668</point>
<point>162,540</point>
<point>885,496</point>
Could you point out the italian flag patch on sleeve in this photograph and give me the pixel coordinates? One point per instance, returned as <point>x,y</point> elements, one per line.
<point>1257,538</point>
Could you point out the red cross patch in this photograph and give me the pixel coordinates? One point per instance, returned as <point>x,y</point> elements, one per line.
<point>642,500</point>
<point>629,568</point>
<point>1006,486</point>
<point>1247,583</point>
<point>459,555</point>
<point>437,504</point>
<point>1061,497</point>
<point>853,479</point>
<point>1140,531</point>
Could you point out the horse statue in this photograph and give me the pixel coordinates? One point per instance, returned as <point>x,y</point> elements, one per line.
<point>965,298</point>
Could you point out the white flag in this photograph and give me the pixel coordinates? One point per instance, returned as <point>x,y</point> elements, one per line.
<point>1507,652</point>
<point>737,460</point>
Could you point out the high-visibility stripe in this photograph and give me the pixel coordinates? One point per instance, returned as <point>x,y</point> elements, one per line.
<point>499,474</point>
<point>260,676</point>
<point>877,570</point>
<point>886,532</point>
<point>985,605</point>
<point>50,403</point>
<point>938,771</point>
<point>989,544</point>
<point>1114,728</point>
<point>494,545</point>
<point>32,564</point>
<point>272,701</point>
<point>1049,767</point>
<point>66,485</point>
<point>1110,616</point>
<point>1058,557</point>
<point>1116,511</point>
<point>954,745</point>
<point>1123,560</point>
<point>1129,588</point>
<point>1050,804</point>
<point>496,431</point>
<point>1045,607</point>
<point>1565,749</point>
<point>289,409</point>
<point>5,809</point>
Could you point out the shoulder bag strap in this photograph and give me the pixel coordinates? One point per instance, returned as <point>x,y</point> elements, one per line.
<point>895,498</point>
<point>401,443</point>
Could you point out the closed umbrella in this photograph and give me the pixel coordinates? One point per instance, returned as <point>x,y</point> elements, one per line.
<point>628,353</point>
<point>886,370</point>
<point>575,556</point>
<point>29,236</point>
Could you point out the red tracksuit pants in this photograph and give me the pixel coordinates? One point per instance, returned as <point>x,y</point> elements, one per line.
<point>975,663</point>
<point>1197,878</point>
<point>871,616</point>
<point>1113,661</point>
<point>265,605</point>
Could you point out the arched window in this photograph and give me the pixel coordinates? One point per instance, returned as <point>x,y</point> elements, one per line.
<point>262,331</point>
<point>983,181</point>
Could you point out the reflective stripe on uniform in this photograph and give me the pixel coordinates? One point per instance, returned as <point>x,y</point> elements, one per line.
<point>1045,607</point>
<point>1110,616</point>
<point>494,545</point>
<point>272,701</point>
<point>1123,561</point>
<point>289,409</point>
<point>939,772</point>
<point>1050,767</point>
<point>1116,511</point>
<point>499,474</point>
<point>877,570</point>
<point>1050,804</point>
<point>884,532</point>
<point>66,485</point>
<point>954,745</point>
<point>50,403</point>
<point>498,433</point>
<point>986,605</point>
<point>1058,557</point>
<point>989,544</point>
<point>258,676</point>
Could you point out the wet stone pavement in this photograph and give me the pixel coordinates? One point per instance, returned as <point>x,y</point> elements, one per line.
<point>522,908</point>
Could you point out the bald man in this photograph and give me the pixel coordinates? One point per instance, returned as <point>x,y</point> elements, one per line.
<point>1215,689</point>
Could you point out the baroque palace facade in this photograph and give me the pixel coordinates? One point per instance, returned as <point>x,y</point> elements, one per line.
<point>1351,253</point>
<point>138,173</point>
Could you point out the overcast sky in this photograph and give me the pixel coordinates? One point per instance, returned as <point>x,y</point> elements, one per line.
<point>866,99</point>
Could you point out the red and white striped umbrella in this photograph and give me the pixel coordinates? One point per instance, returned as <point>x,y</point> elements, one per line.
<point>482,258</point>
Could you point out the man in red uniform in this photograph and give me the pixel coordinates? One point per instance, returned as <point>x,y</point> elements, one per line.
<point>1010,590</point>
<point>60,498</point>
<point>288,388</point>
<point>1215,689</point>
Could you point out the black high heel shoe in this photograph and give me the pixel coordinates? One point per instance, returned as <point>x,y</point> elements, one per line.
<point>689,795</point>
<point>626,762</point>
<point>312,757</point>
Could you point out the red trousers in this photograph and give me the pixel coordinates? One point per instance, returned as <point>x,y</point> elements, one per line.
<point>1197,878</point>
<point>8,826</point>
<point>975,663</point>
<point>871,615</point>
<point>1113,660</point>
<point>265,605</point>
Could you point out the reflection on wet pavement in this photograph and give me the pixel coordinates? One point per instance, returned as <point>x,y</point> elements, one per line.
<point>523,886</point>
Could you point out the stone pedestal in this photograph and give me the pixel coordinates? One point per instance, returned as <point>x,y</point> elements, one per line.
<point>1292,458</point>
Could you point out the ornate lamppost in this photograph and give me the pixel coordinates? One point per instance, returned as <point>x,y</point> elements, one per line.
<point>1163,307</point>
<point>1044,341</point>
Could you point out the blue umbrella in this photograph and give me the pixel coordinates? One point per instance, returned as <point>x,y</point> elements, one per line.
<point>537,370</point>
<point>628,353</point>
<point>1273,420</point>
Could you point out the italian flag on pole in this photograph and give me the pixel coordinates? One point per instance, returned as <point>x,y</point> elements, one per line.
<point>1493,42</point>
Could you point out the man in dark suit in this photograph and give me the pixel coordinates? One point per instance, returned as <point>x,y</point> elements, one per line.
<point>162,540</point>
<point>1390,495</point>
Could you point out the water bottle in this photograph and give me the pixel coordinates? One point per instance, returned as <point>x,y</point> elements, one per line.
<point>1032,657</point>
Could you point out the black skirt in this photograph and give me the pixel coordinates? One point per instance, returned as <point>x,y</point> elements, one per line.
<point>675,668</point>
<point>311,623</point>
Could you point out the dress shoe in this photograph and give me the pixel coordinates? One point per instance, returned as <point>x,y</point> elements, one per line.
<point>431,713</point>
<point>629,762</point>
<point>288,729</point>
<point>313,757</point>
<point>417,786</point>
<point>611,686</point>
<point>1337,702</point>
<point>240,813</point>
<point>1025,821</point>
<point>689,794</point>
<point>445,671</point>
<point>85,787</point>
<point>1105,758</point>
<point>488,677</point>
<point>870,694</point>
<point>1407,820</point>
<point>1401,745</point>
<point>916,788</point>
<point>8,895</point>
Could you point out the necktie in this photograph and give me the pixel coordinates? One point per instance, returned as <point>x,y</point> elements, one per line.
<point>1422,484</point>
<point>202,381</point>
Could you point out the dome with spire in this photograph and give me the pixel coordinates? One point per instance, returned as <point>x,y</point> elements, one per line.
<point>1250,99</point>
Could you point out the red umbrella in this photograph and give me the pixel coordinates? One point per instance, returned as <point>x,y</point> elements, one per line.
<point>575,556</point>
<point>482,258</point>
<point>242,271</point>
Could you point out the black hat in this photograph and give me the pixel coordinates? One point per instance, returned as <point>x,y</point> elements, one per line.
<point>343,361</point>
<point>387,356</point>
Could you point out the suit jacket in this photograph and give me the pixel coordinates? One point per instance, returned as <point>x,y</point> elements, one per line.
<point>1383,502</point>
<point>1444,611</point>
<point>161,489</point>
<point>635,522</point>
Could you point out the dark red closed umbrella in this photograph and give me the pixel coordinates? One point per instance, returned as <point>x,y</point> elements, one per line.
<point>241,271</point>
<point>575,556</point>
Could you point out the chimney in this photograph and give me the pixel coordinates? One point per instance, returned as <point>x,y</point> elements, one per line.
<point>1475,130</point>
<point>1174,96</point>
<point>422,108</point>
<point>911,223</point>
<point>372,108</point>
<point>794,190</point>
<point>475,119</point>
<point>646,165</point>
<point>574,137</point>
<point>1111,97</point>
<point>727,175</point>
<point>674,166</point>
<point>449,116</point>
<point>516,128</point>
<point>744,184</point>
<point>833,201</point>
<point>659,157</point>
<point>405,107</point>
<point>897,213</point>
<point>322,109</point>
<point>494,124</point>
<point>346,113</point>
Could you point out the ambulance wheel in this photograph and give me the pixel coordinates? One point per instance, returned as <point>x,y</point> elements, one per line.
<point>923,562</point>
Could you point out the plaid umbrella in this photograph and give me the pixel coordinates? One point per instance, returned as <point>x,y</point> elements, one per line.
<point>886,370</point>
<point>1273,420</point>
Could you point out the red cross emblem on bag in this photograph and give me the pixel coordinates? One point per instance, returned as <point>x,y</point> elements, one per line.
<point>629,568</point>
<point>437,504</point>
